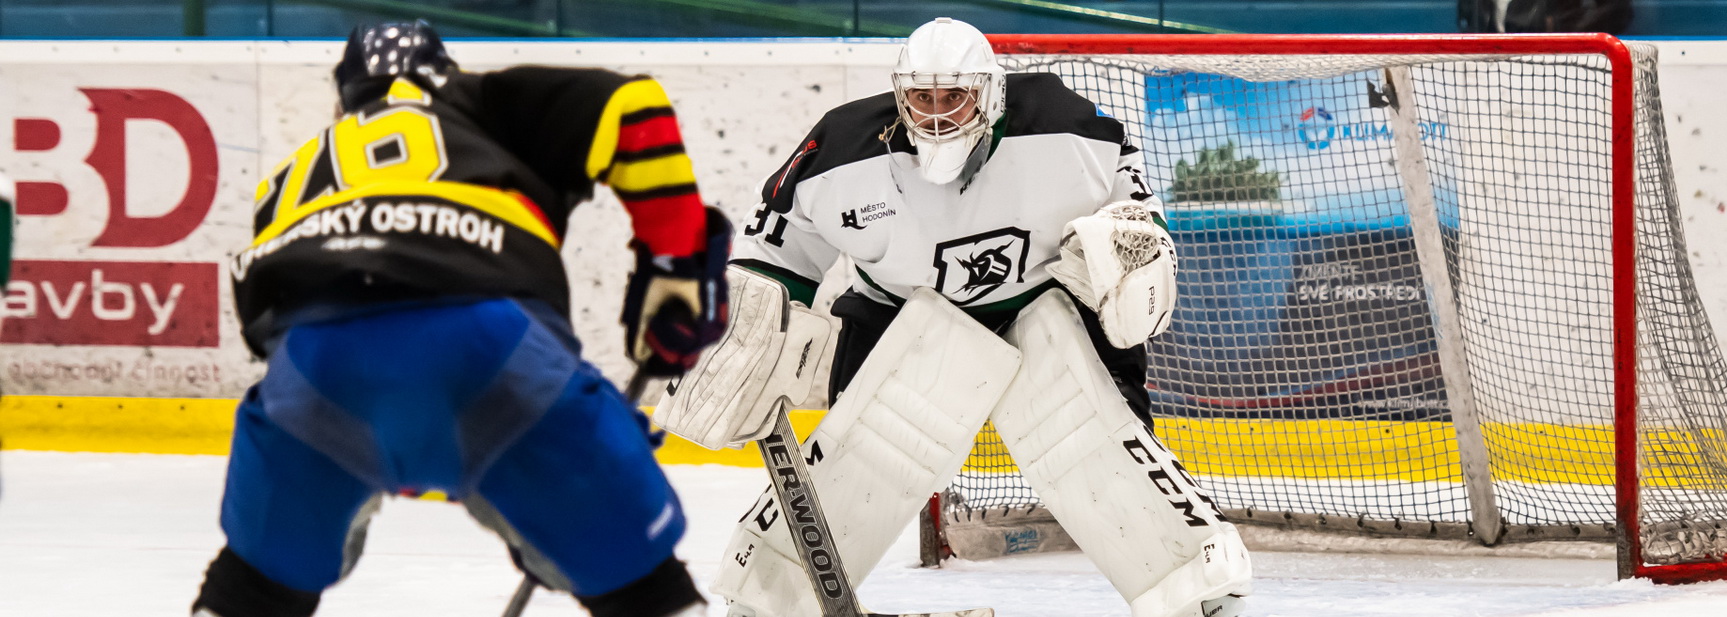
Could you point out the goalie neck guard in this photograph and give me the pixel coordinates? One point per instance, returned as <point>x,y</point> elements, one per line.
<point>949,91</point>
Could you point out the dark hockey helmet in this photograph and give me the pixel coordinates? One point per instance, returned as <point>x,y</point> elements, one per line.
<point>377,55</point>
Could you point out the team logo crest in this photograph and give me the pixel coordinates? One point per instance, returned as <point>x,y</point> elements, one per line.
<point>971,267</point>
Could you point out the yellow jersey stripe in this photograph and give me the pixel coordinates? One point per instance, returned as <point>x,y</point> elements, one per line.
<point>488,200</point>
<point>629,98</point>
<point>641,176</point>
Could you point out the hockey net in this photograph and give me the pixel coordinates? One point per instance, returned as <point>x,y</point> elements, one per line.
<point>1430,286</point>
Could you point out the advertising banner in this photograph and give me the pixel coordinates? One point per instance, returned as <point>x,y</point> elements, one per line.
<point>136,164</point>
<point>1301,296</point>
<point>134,184</point>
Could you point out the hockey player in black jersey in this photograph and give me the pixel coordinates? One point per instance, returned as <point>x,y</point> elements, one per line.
<point>406,289</point>
<point>1009,264</point>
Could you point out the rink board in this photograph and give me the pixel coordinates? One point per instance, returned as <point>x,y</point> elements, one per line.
<point>205,426</point>
<point>1306,449</point>
<point>137,162</point>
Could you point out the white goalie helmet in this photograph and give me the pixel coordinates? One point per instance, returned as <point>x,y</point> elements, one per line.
<point>950,91</point>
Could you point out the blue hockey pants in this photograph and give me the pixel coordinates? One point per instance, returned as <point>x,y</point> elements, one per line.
<point>488,401</point>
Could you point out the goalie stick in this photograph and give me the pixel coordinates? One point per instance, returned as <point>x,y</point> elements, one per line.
<point>519,601</point>
<point>814,540</point>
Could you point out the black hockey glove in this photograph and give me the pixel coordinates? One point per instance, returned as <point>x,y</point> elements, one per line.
<point>676,306</point>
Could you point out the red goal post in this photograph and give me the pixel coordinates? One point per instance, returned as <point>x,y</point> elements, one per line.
<point>1438,365</point>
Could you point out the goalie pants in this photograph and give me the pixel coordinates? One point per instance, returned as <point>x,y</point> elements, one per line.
<point>486,400</point>
<point>862,322</point>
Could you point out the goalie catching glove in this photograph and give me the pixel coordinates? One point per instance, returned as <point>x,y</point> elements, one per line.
<point>676,306</point>
<point>1120,262</point>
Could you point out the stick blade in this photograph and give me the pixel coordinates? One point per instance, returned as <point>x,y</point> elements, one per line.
<point>970,612</point>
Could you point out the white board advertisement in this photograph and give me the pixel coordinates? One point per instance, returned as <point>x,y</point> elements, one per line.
<point>136,163</point>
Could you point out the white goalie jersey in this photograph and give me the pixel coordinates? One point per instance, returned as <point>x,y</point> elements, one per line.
<point>983,241</point>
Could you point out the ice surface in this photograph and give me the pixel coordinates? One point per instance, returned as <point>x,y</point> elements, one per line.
<point>122,535</point>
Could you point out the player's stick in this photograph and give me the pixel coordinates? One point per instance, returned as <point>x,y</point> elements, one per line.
<point>802,512</point>
<point>632,392</point>
<point>520,600</point>
<point>791,480</point>
<point>804,518</point>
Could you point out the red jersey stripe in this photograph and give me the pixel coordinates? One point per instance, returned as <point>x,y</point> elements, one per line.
<point>534,209</point>
<point>650,133</point>
<point>673,225</point>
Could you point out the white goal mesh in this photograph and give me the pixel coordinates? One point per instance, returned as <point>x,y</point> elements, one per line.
<point>1397,309</point>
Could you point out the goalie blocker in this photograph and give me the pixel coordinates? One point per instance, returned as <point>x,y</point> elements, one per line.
<point>769,350</point>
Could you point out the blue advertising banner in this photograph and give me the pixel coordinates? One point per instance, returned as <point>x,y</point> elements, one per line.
<point>1301,294</point>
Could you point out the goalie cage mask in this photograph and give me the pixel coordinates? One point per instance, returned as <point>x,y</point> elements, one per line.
<point>949,91</point>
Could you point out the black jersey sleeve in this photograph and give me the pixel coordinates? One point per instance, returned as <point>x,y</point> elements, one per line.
<point>1040,104</point>
<point>575,127</point>
<point>779,239</point>
<point>546,116</point>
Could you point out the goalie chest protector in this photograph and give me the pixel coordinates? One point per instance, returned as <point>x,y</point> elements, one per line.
<point>983,242</point>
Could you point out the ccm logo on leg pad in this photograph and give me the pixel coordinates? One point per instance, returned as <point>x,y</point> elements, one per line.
<point>1168,484</point>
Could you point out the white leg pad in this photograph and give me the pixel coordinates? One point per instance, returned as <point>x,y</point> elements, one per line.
<point>900,432</point>
<point>1114,487</point>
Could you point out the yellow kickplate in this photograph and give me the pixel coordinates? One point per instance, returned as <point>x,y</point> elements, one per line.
<point>205,426</point>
